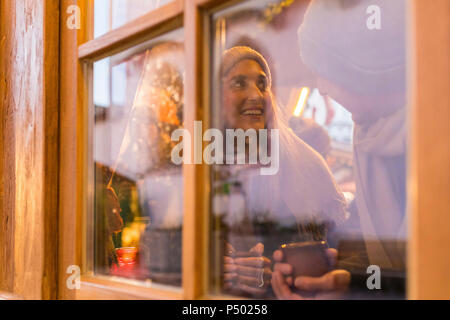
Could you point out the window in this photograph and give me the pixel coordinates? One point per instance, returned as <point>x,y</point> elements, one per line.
<point>138,208</point>
<point>111,14</point>
<point>335,91</point>
<point>323,112</point>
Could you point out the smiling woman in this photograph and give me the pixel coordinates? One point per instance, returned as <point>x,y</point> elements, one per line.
<point>246,81</point>
<point>89,195</point>
<point>301,193</point>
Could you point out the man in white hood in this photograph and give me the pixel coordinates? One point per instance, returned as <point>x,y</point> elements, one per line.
<point>357,50</point>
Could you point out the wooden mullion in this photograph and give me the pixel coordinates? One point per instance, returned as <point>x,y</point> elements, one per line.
<point>194,237</point>
<point>196,227</point>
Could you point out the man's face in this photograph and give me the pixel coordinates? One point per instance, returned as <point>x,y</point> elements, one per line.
<point>353,103</point>
<point>364,108</point>
<point>245,96</point>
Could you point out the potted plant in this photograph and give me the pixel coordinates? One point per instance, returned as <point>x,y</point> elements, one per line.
<point>161,242</point>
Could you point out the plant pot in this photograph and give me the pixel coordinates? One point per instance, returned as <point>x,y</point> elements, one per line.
<point>164,255</point>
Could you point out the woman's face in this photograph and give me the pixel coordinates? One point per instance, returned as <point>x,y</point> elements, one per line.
<point>245,96</point>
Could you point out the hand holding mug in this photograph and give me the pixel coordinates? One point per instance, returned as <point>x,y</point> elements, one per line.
<point>248,272</point>
<point>330,285</point>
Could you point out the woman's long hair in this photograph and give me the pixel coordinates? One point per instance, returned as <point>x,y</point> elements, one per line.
<point>306,183</point>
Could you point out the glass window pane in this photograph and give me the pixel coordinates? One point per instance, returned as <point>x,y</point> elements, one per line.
<point>327,80</point>
<point>138,205</point>
<point>111,14</point>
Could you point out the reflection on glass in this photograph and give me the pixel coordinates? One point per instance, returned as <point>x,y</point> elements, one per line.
<point>111,14</point>
<point>138,209</point>
<point>336,93</point>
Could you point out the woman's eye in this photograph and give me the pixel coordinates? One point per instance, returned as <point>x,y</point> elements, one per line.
<point>262,85</point>
<point>239,83</point>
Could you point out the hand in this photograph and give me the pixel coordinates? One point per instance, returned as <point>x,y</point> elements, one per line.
<point>331,285</point>
<point>250,273</point>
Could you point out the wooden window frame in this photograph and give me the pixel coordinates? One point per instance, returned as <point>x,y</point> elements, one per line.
<point>192,15</point>
<point>29,127</point>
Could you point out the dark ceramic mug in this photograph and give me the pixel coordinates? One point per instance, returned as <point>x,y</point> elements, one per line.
<point>306,258</point>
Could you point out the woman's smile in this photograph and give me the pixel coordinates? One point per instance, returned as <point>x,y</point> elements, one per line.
<point>253,111</point>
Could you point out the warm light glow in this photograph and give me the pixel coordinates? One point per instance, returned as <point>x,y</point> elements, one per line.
<point>304,94</point>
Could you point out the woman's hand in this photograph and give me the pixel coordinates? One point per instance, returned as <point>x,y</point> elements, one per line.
<point>249,272</point>
<point>331,285</point>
